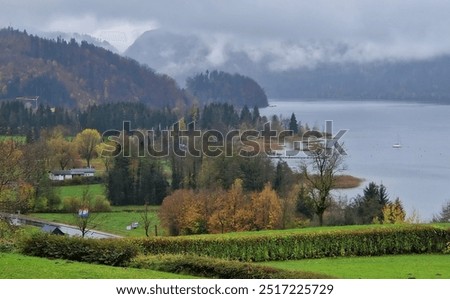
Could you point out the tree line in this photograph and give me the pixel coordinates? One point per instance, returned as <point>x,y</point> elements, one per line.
<point>19,118</point>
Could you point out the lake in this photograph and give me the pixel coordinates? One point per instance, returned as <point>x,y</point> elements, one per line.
<point>417,173</point>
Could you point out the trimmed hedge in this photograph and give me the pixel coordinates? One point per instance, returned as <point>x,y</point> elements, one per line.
<point>216,268</point>
<point>370,242</point>
<point>113,252</point>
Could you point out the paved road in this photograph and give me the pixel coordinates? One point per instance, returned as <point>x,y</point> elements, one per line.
<point>67,229</point>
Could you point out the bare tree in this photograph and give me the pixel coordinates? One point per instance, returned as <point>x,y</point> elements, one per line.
<point>320,174</point>
<point>146,219</point>
<point>444,215</point>
<point>84,215</point>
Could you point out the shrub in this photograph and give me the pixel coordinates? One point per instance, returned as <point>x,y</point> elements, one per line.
<point>113,252</point>
<point>6,245</point>
<point>71,204</point>
<point>369,242</point>
<point>101,204</point>
<point>98,204</point>
<point>9,234</point>
<point>216,268</point>
<point>447,249</point>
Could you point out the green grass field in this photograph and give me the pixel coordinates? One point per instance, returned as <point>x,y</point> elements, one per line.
<point>388,267</point>
<point>18,266</point>
<point>17,138</point>
<point>77,190</point>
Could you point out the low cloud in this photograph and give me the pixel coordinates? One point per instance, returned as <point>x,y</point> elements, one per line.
<point>294,33</point>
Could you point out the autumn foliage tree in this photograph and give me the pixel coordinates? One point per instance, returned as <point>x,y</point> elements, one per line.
<point>15,193</point>
<point>63,152</point>
<point>393,212</point>
<point>180,213</point>
<point>87,141</point>
<point>189,212</point>
<point>10,157</point>
<point>266,209</point>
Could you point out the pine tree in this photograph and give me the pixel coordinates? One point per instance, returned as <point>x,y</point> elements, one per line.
<point>293,125</point>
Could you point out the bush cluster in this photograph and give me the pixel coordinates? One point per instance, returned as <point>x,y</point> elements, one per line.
<point>447,249</point>
<point>371,242</point>
<point>8,235</point>
<point>97,204</point>
<point>216,268</point>
<point>113,252</point>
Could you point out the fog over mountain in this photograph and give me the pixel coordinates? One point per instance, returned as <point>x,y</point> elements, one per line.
<point>328,70</point>
<point>67,36</point>
<point>271,40</point>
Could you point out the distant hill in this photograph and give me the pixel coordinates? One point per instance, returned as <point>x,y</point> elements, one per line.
<point>170,53</point>
<point>66,73</point>
<point>421,81</point>
<point>224,87</point>
<point>182,55</point>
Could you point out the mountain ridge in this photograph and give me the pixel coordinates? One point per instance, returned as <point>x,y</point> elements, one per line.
<point>66,73</point>
<point>412,79</point>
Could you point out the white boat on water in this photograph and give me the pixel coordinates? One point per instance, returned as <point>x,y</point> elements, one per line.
<point>397,144</point>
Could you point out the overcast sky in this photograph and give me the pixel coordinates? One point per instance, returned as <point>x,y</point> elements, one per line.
<point>293,30</point>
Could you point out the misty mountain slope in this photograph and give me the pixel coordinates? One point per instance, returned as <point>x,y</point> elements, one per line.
<point>186,55</point>
<point>178,55</point>
<point>77,75</point>
<point>182,56</point>
<point>79,38</point>
<point>427,80</point>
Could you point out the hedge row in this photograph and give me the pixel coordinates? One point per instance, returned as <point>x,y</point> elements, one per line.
<point>114,252</point>
<point>118,252</point>
<point>79,181</point>
<point>404,240</point>
<point>216,268</point>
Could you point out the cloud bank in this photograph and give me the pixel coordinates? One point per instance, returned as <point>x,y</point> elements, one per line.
<point>295,33</point>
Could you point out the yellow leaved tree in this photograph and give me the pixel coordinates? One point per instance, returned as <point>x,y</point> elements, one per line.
<point>86,142</point>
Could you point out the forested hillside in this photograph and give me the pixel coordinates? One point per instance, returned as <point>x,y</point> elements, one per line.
<point>234,89</point>
<point>65,73</point>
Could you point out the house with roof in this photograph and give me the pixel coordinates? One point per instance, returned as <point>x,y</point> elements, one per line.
<point>61,175</point>
<point>52,229</point>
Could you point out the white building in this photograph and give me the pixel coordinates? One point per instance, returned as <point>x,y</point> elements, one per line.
<point>61,175</point>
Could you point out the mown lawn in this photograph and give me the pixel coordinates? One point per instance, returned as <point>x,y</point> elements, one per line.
<point>77,190</point>
<point>18,266</point>
<point>388,267</point>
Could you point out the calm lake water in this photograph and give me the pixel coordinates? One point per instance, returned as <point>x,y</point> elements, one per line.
<point>418,172</point>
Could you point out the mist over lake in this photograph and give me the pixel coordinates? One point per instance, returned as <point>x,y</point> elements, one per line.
<point>418,172</point>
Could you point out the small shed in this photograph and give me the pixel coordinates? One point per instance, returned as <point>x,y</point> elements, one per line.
<point>53,230</point>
